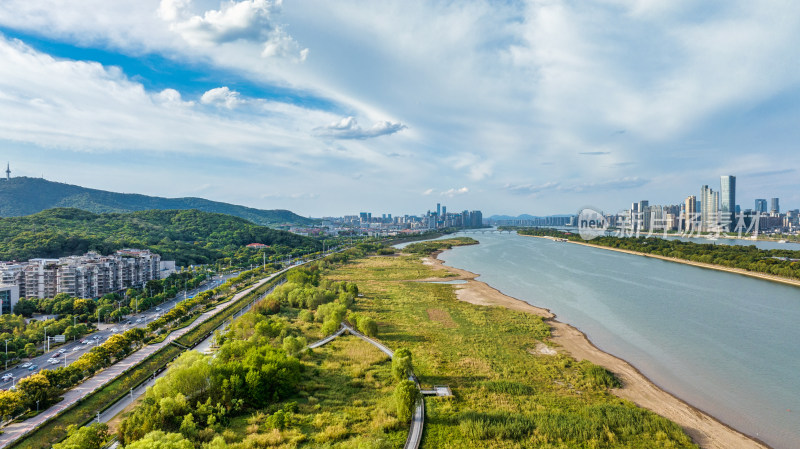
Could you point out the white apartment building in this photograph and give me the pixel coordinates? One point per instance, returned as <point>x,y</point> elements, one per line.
<point>87,276</point>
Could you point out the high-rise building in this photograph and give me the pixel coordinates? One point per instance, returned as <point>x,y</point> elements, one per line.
<point>709,209</point>
<point>690,206</point>
<point>644,215</point>
<point>761,206</point>
<point>775,207</point>
<point>727,204</point>
<point>438,210</point>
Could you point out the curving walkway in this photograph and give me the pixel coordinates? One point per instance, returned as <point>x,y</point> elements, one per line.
<point>418,420</point>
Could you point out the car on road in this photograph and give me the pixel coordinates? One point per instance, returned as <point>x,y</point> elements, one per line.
<point>84,342</point>
<point>57,354</point>
<point>76,348</point>
<point>32,367</point>
<point>139,320</point>
<point>114,330</point>
<point>7,377</point>
<point>62,350</point>
<point>26,364</point>
<point>54,362</point>
<point>158,309</point>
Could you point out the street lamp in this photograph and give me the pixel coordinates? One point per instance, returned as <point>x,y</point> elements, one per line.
<point>7,353</point>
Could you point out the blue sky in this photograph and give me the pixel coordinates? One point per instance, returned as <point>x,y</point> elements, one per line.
<point>324,108</point>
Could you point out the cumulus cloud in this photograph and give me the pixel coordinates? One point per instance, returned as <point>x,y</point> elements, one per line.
<point>247,20</point>
<point>171,98</point>
<point>348,128</point>
<point>222,96</point>
<point>455,191</point>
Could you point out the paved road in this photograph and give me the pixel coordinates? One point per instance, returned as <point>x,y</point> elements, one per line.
<point>74,349</point>
<point>14,431</point>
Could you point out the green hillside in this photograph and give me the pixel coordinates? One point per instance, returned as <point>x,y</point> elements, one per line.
<point>186,236</point>
<point>24,196</point>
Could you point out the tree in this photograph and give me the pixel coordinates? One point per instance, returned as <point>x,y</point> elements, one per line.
<point>368,326</point>
<point>405,399</point>
<point>35,388</point>
<point>88,437</point>
<point>401,364</point>
<point>25,307</point>
<point>293,345</point>
<point>10,401</point>
<point>160,440</point>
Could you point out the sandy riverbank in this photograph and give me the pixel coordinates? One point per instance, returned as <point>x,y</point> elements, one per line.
<point>704,429</point>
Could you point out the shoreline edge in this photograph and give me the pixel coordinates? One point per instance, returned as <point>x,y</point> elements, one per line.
<point>704,429</point>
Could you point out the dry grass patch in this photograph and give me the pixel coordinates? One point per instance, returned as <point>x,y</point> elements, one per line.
<point>443,317</point>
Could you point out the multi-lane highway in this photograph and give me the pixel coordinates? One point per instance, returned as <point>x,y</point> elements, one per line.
<point>67,353</point>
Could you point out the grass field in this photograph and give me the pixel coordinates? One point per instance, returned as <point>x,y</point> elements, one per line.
<point>507,394</point>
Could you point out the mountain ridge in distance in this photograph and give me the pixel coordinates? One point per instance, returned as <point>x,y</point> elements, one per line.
<point>22,196</point>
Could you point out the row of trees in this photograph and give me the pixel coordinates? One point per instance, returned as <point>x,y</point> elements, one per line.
<point>42,389</point>
<point>777,262</point>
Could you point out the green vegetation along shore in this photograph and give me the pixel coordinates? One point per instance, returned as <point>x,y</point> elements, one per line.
<point>186,236</point>
<point>775,262</point>
<point>344,394</point>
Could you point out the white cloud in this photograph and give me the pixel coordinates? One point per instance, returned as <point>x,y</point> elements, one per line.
<point>453,192</point>
<point>247,20</point>
<point>172,98</point>
<point>222,96</point>
<point>488,90</point>
<point>348,128</point>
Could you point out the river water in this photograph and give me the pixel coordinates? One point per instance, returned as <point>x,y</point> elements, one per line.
<point>725,343</point>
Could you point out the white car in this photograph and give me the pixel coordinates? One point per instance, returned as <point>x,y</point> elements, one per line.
<point>62,350</point>
<point>26,364</point>
<point>75,348</point>
<point>55,362</point>
<point>139,320</point>
<point>114,330</point>
<point>7,377</point>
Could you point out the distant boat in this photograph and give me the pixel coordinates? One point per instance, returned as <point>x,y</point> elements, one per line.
<point>781,241</point>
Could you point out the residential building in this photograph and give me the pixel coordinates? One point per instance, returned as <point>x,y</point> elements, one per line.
<point>9,296</point>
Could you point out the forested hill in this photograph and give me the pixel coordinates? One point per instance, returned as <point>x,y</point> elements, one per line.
<point>186,236</point>
<point>24,196</point>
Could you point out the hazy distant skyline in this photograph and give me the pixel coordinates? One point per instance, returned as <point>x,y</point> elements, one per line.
<point>328,108</point>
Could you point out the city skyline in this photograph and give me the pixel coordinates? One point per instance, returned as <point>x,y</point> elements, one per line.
<point>320,108</point>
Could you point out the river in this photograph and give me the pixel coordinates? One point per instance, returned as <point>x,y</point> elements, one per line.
<point>725,343</point>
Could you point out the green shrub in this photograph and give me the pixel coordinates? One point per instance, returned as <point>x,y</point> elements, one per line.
<point>405,399</point>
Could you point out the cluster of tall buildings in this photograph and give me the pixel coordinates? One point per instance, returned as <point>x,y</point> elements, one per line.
<point>87,276</point>
<point>711,211</point>
<point>386,224</point>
